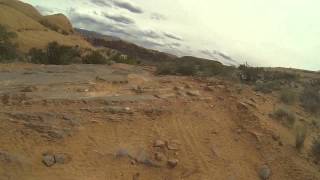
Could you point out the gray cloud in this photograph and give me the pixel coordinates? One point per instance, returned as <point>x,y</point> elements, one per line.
<point>128,6</point>
<point>150,34</point>
<point>216,55</point>
<point>44,10</point>
<point>119,18</point>
<point>157,16</point>
<point>85,21</point>
<point>100,3</point>
<point>173,36</point>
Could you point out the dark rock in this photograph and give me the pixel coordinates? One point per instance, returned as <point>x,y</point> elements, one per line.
<point>48,160</point>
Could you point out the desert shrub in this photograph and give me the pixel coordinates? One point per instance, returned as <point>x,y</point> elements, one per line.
<point>267,87</point>
<point>250,74</point>
<point>8,49</point>
<point>119,58</point>
<point>316,147</point>
<point>280,75</point>
<point>166,69</point>
<point>61,54</point>
<point>38,56</point>
<point>186,69</point>
<point>95,57</point>
<point>55,54</point>
<point>310,99</point>
<point>300,137</point>
<point>287,117</point>
<point>287,96</point>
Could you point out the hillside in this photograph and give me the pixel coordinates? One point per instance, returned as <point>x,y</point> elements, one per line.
<point>32,32</point>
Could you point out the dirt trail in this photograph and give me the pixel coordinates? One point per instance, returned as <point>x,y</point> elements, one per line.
<point>102,122</point>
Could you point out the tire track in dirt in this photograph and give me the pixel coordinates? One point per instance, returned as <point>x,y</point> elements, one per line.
<point>191,146</point>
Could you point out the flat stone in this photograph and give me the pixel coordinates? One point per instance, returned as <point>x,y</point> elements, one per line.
<point>159,143</point>
<point>193,93</point>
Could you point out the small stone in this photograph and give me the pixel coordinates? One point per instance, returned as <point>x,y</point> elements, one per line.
<point>62,158</point>
<point>136,176</point>
<point>29,89</point>
<point>188,86</point>
<point>159,156</point>
<point>209,88</point>
<point>48,160</point>
<point>265,172</point>
<point>172,163</point>
<point>276,137</point>
<point>122,153</point>
<point>173,145</point>
<point>239,131</point>
<point>193,93</point>
<point>221,86</point>
<point>159,143</point>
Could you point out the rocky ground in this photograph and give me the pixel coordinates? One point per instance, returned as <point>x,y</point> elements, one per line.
<point>82,122</point>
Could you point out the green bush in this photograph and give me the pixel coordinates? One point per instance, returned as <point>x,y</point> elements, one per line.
<point>95,57</point>
<point>310,99</point>
<point>286,116</point>
<point>55,54</point>
<point>186,69</point>
<point>8,50</point>
<point>38,56</point>
<point>287,96</point>
<point>60,54</point>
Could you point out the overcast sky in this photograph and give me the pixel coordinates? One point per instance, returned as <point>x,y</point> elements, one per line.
<point>262,32</point>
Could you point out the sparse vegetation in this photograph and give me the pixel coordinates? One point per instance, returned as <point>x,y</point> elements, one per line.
<point>8,49</point>
<point>95,57</point>
<point>286,116</point>
<point>316,148</point>
<point>301,134</point>
<point>38,56</point>
<point>310,99</point>
<point>191,67</point>
<point>288,96</point>
<point>47,24</point>
<point>250,74</point>
<point>120,58</point>
<point>267,87</point>
<point>55,54</point>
